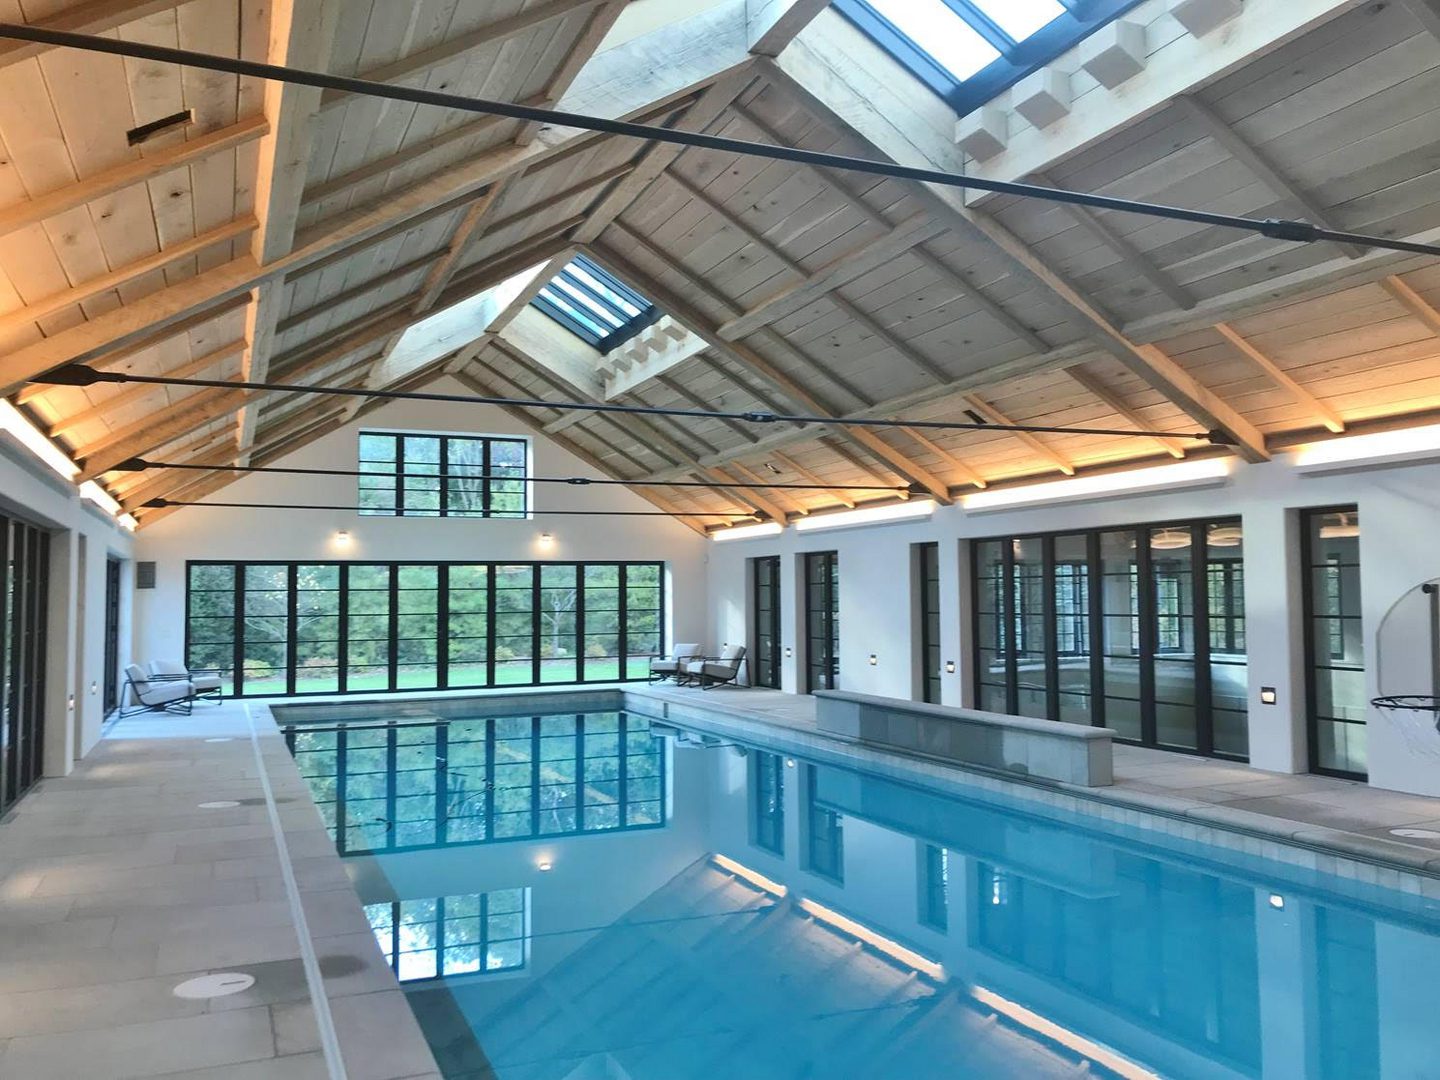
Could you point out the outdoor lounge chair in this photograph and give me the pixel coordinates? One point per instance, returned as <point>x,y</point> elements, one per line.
<point>147,694</point>
<point>663,667</point>
<point>207,681</point>
<point>711,671</point>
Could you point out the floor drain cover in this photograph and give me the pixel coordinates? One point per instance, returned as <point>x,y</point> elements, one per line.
<point>213,986</point>
<point>1417,834</point>
<point>222,804</point>
<point>220,740</point>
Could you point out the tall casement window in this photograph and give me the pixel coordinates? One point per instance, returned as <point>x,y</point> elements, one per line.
<point>825,834</point>
<point>822,621</point>
<point>24,594</point>
<point>935,886</point>
<point>111,699</point>
<point>429,475</point>
<point>474,934</point>
<point>1334,642</point>
<point>928,587</point>
<point>765,605</point>
<point>767,823</point>
<point>397,786</point>
<point>1141,630</point>
<point>335,628</point>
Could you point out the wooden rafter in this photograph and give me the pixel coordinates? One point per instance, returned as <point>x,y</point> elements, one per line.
<point>89,17</point>
<point>1113,401</point>
<point>1281,378</point>
<point>1034,442</point>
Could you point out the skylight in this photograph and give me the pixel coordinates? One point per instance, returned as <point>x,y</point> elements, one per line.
<point>595,305</point>
<point>967,51</point>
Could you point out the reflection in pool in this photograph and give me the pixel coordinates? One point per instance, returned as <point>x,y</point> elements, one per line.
<point>585,895</point>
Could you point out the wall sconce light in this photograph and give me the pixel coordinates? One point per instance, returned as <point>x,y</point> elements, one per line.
<point>1267,695</point>
<point>547,540</point>
<point>93,687</point>
<point>873,660</point>
<point>789,762</point>
<point>342,539</point>
<point>70,703</point>
<point>544,865</point>
<point>789,651</point>
<point>949,667</point>
<point>1277,901</point>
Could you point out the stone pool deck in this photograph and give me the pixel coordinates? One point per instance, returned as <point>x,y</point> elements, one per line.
<point>115,886</point>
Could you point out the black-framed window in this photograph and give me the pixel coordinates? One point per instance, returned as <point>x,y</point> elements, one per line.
<point>935,887</point>
<point>595,305</point>
<point>423,474</point>
<point>1334,641</point>
<point>765,605</point>
<point>339,627</point>
<point>111,699</point>
<point>928,586</point>
<point>442,936</point>
<point>822,621</point>
<point>24,644</point>
<point>968,51</point>
<point>1140,629</point>
<point>404,786</point>
<point>825,835</point>
<point>768,802</point>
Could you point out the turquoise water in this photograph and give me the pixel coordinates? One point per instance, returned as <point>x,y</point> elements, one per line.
<point>591,895</point>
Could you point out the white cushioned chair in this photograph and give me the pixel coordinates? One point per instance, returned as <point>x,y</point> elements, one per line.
<point>207,681</point>
<point>148,694</point>
<point>712,671</point>
<point>668,667</point>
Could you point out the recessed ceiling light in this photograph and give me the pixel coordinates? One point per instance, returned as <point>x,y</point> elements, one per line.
<point>213,986</point>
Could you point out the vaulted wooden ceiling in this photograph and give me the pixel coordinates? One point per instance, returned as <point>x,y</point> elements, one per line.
<point>295,235</point>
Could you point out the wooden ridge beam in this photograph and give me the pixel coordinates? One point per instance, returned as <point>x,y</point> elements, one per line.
<point>1281,378</point>
<point>154,164</point>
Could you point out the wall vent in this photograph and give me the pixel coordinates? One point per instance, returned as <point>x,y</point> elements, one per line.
<point>144,575</point>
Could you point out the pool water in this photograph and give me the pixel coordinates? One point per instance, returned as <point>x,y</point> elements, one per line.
<point>600,895</point>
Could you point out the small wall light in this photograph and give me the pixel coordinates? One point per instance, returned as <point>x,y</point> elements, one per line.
<point>873,660</point>
<point>949,667</point>
<point>1267,695</point>
<point>789,651</point>
<point>342,539</point>
<point>1277,901</point>
<point>789,762</point>
<point>70,703</point>
<point>93,687</point>
<point>544,865</point>
<point>546,540</point>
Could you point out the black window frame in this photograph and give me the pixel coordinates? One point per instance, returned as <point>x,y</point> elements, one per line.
<point>822,621</point>
<point>24,647</point>
<point>1017,59</point>
<point>625,616</point>
<point>824,835</point>
<point>765,599</point>
<point>629,325</point>
<point>1148,637</point>
<point>1309,518</point>
<point>767,806</point>
<point>927,583</point>
<point>443,921</point>
<point>443,477</point>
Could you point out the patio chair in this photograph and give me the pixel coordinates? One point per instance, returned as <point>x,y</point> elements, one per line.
<point>668,667</point>
<point>148,694</point>
<point>711,671</point>
<point>207,681</point>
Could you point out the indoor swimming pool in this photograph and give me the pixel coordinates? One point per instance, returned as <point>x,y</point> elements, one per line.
<point>601,893</point>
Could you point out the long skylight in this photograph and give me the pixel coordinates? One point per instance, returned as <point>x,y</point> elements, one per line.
<point>595,305</point>
<point>967,51</point>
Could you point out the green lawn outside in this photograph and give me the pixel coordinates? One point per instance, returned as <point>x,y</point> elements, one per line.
<point>462,677</point>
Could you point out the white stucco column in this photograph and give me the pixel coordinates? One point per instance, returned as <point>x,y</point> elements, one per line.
<point>1274,625</point>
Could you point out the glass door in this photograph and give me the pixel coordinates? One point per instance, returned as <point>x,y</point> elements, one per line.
<point>822,621</point>
<point>22,711</point>
<point>929,583</point>
<point>766,606</point>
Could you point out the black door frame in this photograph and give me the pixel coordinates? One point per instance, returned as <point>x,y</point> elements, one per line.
<point>822,672</point>
<point>766,623</point>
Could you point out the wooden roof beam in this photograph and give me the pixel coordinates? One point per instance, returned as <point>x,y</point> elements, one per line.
<point>770,25</point>
<point>489,33</point>
<point>971,476</point>
<point>1416,304</point>
<point>1236,146</point>
<point>190,413</point>
<point>601,20</point>
<point>88,17</point>
<point>156,163</point>
<point>995,416</point>
<point>1129,254</point>
<point>842,497</point>
<point>1114,402</point>
<point>1281,378</point>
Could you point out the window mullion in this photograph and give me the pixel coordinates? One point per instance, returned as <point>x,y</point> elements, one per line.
<point>983,25</point>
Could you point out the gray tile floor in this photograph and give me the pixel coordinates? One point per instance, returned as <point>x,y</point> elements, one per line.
<point>115,887</point>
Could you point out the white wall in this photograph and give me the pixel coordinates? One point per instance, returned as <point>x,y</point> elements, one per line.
<point>297,535</point>
<point>1399,515</point>
<point>82,538</point>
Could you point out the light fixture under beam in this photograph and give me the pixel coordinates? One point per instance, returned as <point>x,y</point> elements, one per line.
<point>879,942</point>
<point>163,504</point>
<point>1101,1055</point>
<point>748,532</point>
<point>1409,445</point>
<point>868,515</point>
<point>1207,472</point>
<point>754,877</point>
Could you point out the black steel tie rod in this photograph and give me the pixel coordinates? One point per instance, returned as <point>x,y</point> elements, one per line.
<point>163,504</point>
<point>1275,228</point>
<point>80,375</point>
